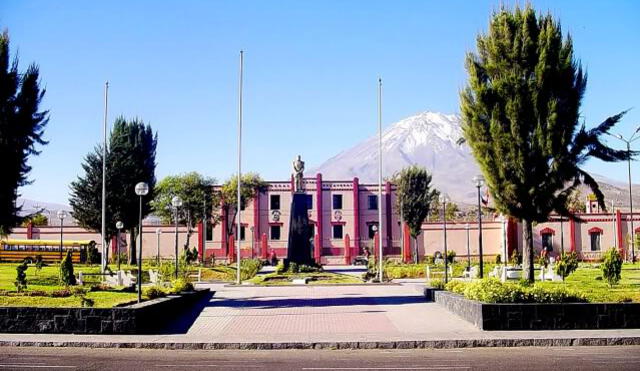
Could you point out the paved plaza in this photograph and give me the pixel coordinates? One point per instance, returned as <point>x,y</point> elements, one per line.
<point>321,314</point>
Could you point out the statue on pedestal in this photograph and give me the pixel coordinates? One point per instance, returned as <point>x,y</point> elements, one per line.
<point>298,170</point>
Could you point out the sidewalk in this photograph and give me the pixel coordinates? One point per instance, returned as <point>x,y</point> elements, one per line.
<point>395,316</point>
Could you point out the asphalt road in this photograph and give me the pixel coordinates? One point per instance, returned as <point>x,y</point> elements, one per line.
<point>532,358</point>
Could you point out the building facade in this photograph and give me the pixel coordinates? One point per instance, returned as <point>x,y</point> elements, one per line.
<point>344,218</point>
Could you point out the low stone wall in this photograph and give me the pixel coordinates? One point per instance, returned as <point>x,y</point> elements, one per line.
<point>561,316</point>
<point>146,317</point>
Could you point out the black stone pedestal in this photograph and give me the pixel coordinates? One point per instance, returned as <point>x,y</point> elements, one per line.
<point>300,248</point>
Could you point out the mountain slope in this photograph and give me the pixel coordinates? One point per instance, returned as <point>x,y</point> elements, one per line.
<point>429,139</point>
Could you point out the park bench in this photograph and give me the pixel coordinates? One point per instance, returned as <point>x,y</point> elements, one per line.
<point>431,273</point>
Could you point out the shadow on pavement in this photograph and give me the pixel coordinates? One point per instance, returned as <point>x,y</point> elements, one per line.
<point>322,302</point>
<point>183,320</point>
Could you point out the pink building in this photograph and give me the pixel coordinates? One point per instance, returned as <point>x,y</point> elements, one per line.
<point>344,216</point>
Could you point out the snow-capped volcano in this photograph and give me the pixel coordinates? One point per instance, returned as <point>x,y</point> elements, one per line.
<point>427,139</point>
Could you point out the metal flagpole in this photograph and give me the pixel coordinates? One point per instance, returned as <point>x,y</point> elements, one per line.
<point>238,211</point>
<point>380,178</point>
<point>103,232</point>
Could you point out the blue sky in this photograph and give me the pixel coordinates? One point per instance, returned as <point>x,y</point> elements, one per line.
<point>310,74</point>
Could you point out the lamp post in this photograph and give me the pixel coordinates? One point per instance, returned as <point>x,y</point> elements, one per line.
<point>380,268</point>
<point>119,226</point>
<point>142,189</point>
<point>478,180</point>
<point>176,202</point>
<point>505,253</point>
<point>158,233</point>
<point>561,235</point>
<point>443,199</point>
<point>466,227</point>
<point>628,142</point>
<point>252,241</point>
<point>61,215</point>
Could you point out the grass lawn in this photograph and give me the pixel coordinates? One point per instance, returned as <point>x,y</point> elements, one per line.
<point>584,280</point>
<point>396,271</point>
<point>317,278</point>
<point>46,282</point>
<point>219,273</point>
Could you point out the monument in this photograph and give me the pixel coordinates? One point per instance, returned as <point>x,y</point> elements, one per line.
<point>300,246</point>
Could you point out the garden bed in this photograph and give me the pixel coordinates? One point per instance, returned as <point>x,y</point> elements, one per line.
<point>314,278</point>
<point>535,316</point>
<point>146,317</point>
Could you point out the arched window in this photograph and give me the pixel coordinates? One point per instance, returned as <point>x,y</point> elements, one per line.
<point>595,235</point>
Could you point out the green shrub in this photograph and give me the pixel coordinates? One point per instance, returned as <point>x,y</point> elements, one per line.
<point>451,255</point>
<point>612,266</point>
<point>566,264</point>
<point>280,268</point>
<point>456,286</point>
<point>249,268</point>
<point>181,285</point>
<point>492,290</point>
<point>39,263</point>
<point>293,267</point>
<point>66,270</point>
<point>428,259</point>
<point>21,276</point>
<point>154,292</point>
<point>93,256</point>
<point>437,283</point>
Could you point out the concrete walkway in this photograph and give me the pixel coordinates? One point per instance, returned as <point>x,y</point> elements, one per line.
<point>359,316</point>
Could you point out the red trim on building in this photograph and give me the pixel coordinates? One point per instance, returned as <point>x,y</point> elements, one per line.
<point>276,223</point>
<point>547,230</point>
<point>406,236</point>
<point>317,251</point>
<point>292,184</point>
<point>620,236</point>
<point>223,229</point>
<point>387,197</point>
<point>638,230</point>
<point>264,246</point>
<point>356,213</point>
<point>338,223</point>
<point>30,231</point>
<point>232,248</point>
<point>572,228</point>
<point>595,230</point>
<point>256,216</point>
<point>347,249</point>
<point>200,245</point>
<point>316,248</point>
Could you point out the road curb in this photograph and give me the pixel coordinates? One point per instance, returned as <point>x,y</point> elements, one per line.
<point>418,344</point>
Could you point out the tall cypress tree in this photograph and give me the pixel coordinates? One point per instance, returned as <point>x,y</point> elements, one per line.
<point>21,129</point>
<point>520,111</point>
<point>415,198</point>
<point>130,159</point>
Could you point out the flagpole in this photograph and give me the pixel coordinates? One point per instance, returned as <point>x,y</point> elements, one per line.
<point>238,210</point>
<point>380,178</point>
<point>103,232</point>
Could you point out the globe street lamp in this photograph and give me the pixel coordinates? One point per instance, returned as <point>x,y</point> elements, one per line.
<point>158,233</point>
<point>142,189</point>
<point>443,200</point>
<point>119,226</point>
<point>478,180</point>
<point>61,215</point>
<point>631,139</point>
<point>176,202</point>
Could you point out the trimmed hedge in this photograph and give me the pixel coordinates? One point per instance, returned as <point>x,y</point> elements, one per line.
<point>492,290</point>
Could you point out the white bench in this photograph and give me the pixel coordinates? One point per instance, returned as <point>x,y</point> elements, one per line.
<point>430,273</point>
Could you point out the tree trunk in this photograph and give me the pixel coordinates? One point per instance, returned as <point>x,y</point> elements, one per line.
<point>132,245</point>
<point>527,250</point>
<point>415,249</point>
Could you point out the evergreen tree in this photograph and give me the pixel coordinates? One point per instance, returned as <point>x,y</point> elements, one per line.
<point>131,157</point>
<point>520,111</point>
<point>414,199</point>
<point>21,129</point>
<point>194,190</point>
